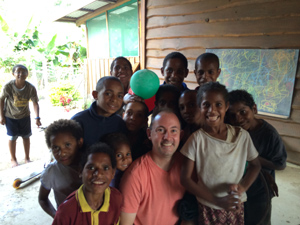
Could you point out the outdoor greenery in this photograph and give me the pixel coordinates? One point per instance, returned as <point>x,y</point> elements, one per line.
<point>38,44</point>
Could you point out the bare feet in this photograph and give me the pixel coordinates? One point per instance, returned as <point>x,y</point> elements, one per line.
<point>28,161</point>
<point>14,163</point>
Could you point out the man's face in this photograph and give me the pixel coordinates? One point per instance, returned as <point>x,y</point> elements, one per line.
<point>206,71</point>
<point>174,72</point>
<point>165,134</point>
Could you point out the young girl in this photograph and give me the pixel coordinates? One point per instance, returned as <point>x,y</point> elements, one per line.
<point>219,152</point>
<point>121,146</point>
<point>94,202</point>
<point>64,138</point>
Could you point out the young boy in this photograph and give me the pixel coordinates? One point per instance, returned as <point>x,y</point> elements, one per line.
<point>272,153</point>
<point>101,117</point>
<point>121,146</point>
<point>64,138</point>
<point>94,202</point>
<point>136,119</point>
<point>14,111</point>
<point>175,69</point>
<point>207,68</point>
<point>167,96</point>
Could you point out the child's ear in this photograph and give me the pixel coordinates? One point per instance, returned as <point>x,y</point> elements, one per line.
<point>186,73</point>
<point>95,95</point>
<point>149,133</point>
<point>254,108</point>
<point>162,71</point>
<point>227,106</point>
<point>219,71</point>
<point>80,142</point>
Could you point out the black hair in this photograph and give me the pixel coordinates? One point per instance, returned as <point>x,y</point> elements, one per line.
<point>101,82</point>
<point>100,147</point>
<point>120,57</point>
<point>208,56</point>
<point>167,110</point>
<point>166,88</point>
<point>19,66</point>
<point>145,107</point>
<point>211,86</point>
<point>241,96</point>
<point>63,126</point>
<point>176,55</point>
<point>114,140</point>
<point>187,91</point>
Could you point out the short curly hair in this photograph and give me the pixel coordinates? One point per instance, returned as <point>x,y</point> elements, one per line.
<point>115,139</point>
<point>211,86</point>
<point>63,126</point>
<point>241,96</point>
<point>176,55</point>
<point>100,147</point>
<point>19,66</point>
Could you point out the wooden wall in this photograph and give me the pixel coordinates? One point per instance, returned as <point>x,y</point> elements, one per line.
<point>191,26</point>
<point>97,68</point>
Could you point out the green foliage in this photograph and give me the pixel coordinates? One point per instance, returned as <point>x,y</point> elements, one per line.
<point>3,24</point>
<point>63,94</point>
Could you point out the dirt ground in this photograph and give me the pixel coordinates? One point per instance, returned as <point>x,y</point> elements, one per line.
<point>21,206</point>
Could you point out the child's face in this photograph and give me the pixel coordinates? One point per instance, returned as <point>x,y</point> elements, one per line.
<point>189,109</point>
<point>110,98</point>
<point>174,72</point>
<point>20,74</point>
<point>122,71</point>
<point>167,100</point>
<point>123,156</point>
<point>242,115</point>
<point>65,147</point>
<point>134,116</point>
<point>97,173</point>
<point>206,71</point>
<point>213,108</point>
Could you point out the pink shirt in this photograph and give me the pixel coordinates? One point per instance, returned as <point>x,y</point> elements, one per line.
<point>151,192</point>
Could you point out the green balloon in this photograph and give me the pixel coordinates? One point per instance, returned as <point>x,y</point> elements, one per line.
<point>144,83</point>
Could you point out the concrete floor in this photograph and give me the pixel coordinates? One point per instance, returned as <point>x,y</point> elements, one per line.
<point>21,206</point>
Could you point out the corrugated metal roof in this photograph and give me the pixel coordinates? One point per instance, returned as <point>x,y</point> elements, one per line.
<point>84,10</point>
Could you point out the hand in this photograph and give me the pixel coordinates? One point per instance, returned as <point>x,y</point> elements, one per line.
<point>38,122</point>
<point>2,120</point>
<point>131,98</point>
<point>230,202</point>
<point>271,183</point>
<point>236,189</point>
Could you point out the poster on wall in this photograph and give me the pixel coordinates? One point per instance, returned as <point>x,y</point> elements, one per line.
<point>269,75</point>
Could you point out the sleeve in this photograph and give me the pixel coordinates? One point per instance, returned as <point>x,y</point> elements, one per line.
<point>131,189</point>
<point>33,94</point>
<point>276,150</point>
<point>189,149</point>
<point>251,150</point>
<point>45,178</point>
<point>4,94</point>
<point>61,218</point>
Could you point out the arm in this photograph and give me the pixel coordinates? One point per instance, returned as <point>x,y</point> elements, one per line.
<point>2,117</point>
<point>200,190</point>
<point>45,202</point>
<point>250,176</point>
<point>270,165</point>
<point>37,113</point>
<point>127,218</point>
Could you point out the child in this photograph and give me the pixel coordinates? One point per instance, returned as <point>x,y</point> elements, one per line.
<point>101,117</point>
<point>207,68</point>
<point>14,111</point>
<point>167,97</point>
<point>136,119</point>
<point>219,153</point>
<point>272,154</point>
<point>121,146</point>
<point>190,112</point>
<point>94,202</point>
<point>64,138</point>
<point>121,68</point>
<point>175,69</point>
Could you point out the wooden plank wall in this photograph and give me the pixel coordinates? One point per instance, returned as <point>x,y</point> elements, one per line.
<point>191,26</point>
<point>97,68</point>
